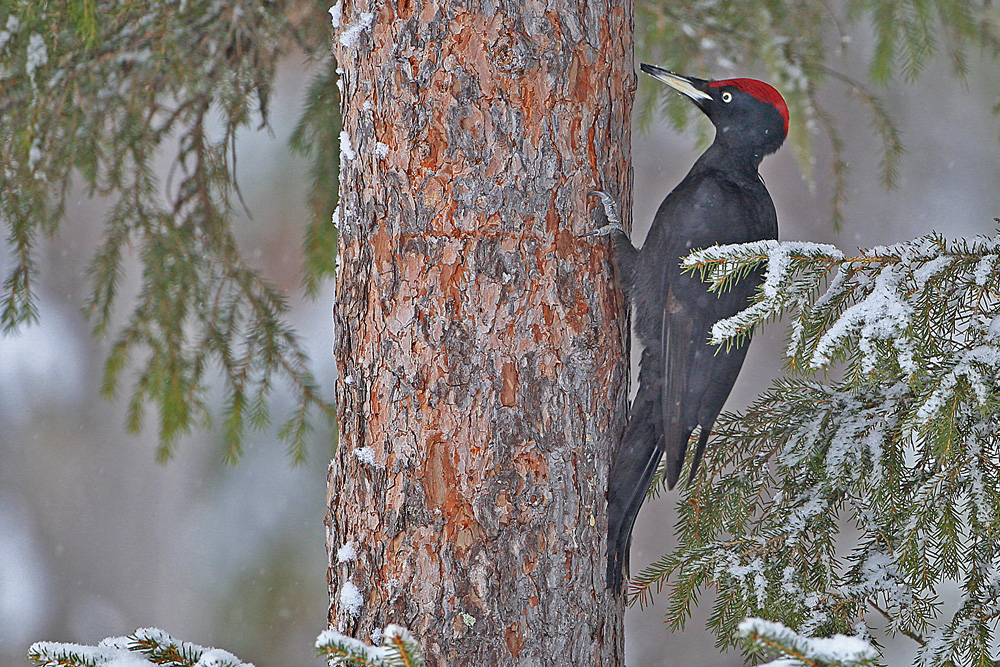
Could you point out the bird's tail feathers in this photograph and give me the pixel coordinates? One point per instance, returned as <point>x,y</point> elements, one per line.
<point>675,438</point>
<point>623,508</point>
<point>699,452</point>
<point>632,472</point>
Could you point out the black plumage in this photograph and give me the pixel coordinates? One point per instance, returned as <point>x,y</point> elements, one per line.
<point>683,380</point>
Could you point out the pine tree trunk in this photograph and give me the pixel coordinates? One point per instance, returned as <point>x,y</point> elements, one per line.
<point>481,344</point>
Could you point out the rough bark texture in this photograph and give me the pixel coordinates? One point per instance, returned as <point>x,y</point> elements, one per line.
<point>481,345</point>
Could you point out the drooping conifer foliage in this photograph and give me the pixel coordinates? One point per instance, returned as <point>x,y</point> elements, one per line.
<point>865,482</point>
<point>799,48</point>
<point>92,92</point>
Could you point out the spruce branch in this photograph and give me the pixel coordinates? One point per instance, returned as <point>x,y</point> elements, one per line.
<point>150,78</point>
<point>722,266</point>
<point>397,649</point>
<point>902,449</point>
<point>151,647</point>
<point>317,136</point>
<point>145,647</point>
<point>795,650</point>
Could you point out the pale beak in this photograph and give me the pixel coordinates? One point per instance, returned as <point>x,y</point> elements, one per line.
<point>682,84</point>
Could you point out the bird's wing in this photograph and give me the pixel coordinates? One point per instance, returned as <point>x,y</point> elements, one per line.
<point>714,369</point>
<point>677,354</point>
<point>702,211</point>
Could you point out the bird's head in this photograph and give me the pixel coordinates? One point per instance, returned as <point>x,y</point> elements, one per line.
<point>748,114</point>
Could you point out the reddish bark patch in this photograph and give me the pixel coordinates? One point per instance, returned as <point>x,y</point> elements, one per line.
<point>508,385</point>
<point>514,639</point>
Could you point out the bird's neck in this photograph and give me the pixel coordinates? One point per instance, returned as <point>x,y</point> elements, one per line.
<point>741,163</point>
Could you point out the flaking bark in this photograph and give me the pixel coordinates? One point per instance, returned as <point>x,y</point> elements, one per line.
<point>481,345</point>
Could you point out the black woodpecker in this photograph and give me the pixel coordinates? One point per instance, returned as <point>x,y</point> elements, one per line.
<point>683,380</point>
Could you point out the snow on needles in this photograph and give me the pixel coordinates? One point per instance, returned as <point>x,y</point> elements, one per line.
<point>53,654</point>
<point>824,650</point>
<point>10,29</point>
<point>882,315</point>
<point>355,648</point>
<point>984,268</point>
<point>341,646</point>
<point>780,266</point>
<point>779,287</point>
<point>38,55</point>
<point>879,573</point>
<point>979,366</point>
<point>840,647</point>
<point>128,652</point>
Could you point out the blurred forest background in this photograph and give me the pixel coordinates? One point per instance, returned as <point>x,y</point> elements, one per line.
<point>97,539</point>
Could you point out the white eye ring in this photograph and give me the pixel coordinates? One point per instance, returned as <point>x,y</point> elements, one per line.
<point>727,97</point>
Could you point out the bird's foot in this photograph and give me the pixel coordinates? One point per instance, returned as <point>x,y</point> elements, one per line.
<point>610,211</point>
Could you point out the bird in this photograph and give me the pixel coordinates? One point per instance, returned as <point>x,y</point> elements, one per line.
<point>683,379</point>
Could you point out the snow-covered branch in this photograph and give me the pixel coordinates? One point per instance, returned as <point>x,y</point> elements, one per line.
<point>146,647</point>
<point>902,447</point>
<point>795,650</point>
<point>152,647</point>
<point>398,649</point>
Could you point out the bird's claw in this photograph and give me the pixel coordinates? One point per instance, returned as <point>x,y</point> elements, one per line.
<point>604,231</point>
<point>611,211</point>
<point>610,206</point>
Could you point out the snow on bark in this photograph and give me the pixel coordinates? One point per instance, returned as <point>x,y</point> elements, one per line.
<point>351,599</point>
<point>346,553</point>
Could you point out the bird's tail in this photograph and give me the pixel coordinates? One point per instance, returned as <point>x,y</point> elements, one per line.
<point>633,469</point>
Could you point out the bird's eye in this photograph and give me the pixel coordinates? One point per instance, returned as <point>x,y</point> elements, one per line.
<point>727,97</point>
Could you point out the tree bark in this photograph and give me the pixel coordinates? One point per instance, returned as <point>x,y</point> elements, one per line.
<point>481,345</point>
